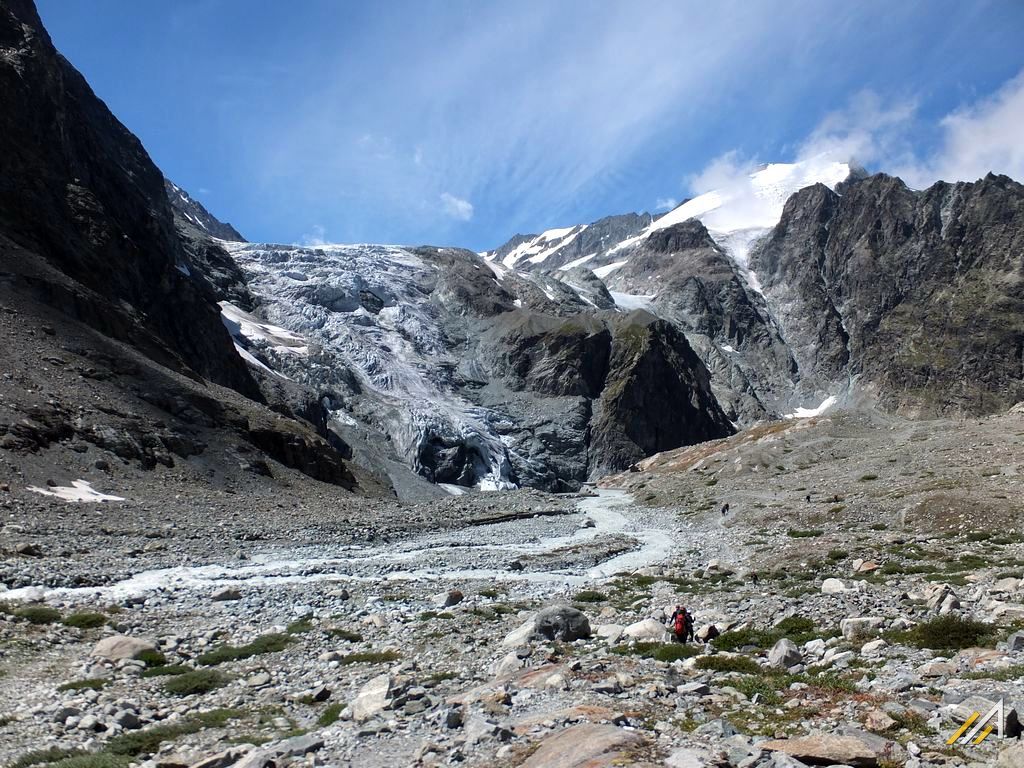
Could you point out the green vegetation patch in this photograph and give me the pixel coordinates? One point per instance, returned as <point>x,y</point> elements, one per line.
<point>85,620</point>
<point>148,741</point>
<point>151,657</point>
<point>590,596</point>
<point>196,681</point>
<point>370,657</point>
<point>272,643</point>
<point>330,715</point>
<point>797,628</point>
<point>345,634</point>
<point>947,633</point>
<point>38,614</point>
<point>299,627</point>
<point>169,670</point>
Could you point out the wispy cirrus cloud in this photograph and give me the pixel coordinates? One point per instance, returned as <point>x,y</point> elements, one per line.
<point>456,207</point>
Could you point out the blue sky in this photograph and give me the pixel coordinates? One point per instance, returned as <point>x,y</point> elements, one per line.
<point>462,123</point>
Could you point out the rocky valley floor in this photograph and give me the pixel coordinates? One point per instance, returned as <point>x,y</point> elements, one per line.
<point>861,627</point>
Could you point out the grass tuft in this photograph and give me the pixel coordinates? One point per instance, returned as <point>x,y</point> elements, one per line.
<point>85,620</point>
<point>38,614</point>
<point>166,671</point>
<point>370,657</point>
<point>330,715</point>
<point>271,643</point>
<point>947,633</point>
<point>743,664</point>
<point>195,682</point>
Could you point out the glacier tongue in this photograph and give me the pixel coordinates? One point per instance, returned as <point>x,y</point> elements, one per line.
<point>365,311</point>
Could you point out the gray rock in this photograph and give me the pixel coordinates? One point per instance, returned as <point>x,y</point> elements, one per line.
<point>557,622</point>
<point>225,594</point>
<point>118,647</point>
<point>373,697</point>
<point>784,654</point>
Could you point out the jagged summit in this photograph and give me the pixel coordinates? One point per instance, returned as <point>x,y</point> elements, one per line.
<point>192,211</point>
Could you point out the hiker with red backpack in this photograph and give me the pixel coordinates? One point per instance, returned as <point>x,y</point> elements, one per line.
<point>682,624</point>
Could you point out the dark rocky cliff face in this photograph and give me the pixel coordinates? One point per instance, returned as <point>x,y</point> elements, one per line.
<point>78,190</point>
<point>699,288</point>
<point>101,282</point>
<point>635,380</point>
<point>917,295</point>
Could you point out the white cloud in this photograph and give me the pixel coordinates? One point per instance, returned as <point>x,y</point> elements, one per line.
<point>456,207</point>
<point>974,139</point>
<point>665,204</point>
<point>316,237</point>
<point>985,136</point>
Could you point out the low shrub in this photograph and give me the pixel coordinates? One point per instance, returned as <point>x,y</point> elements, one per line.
<point>169,670</point>
<point>151,657</point>
<point>794,533</point>
<point>195,682</point>
<point>370,657</point>
<point>947,633</point>
<point>590,596</point>
<point>38,614</point>
<point>271,643</point>
<point>85,620</point>
<point>330,715</point>
<point>345,634</point>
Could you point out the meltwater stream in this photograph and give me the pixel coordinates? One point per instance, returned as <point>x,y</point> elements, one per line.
<point>460,555</point>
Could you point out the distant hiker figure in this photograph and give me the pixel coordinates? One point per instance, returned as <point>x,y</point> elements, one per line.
<point>725,509</point>
<point>835,499</point>
<point>682,624</point>
<point>754,578</point>
<point>808,498</point>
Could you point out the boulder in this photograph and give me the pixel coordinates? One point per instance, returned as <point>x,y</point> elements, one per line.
<point>825,749</point>
<point>557,622</point>
<point>878,721</point>
<point>447,599</point>
<point>707,633</point>
<point>833,587</point>
<point>1015,642</point>
<point>507,665</point>
<point>589,745</point>
<point>784,654</point>
<point>873,647</point>
<point>856,628</point>
<point>226,594</point>
<point>374,697</point>
<point>1011,757</point>
<point>117,647</point>
<point>1006,586</point>
<point>647,631</point>
<point>610,632</point>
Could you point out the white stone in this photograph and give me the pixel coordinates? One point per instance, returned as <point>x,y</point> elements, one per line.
<point>373,697</point>
<point>647,630</point>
